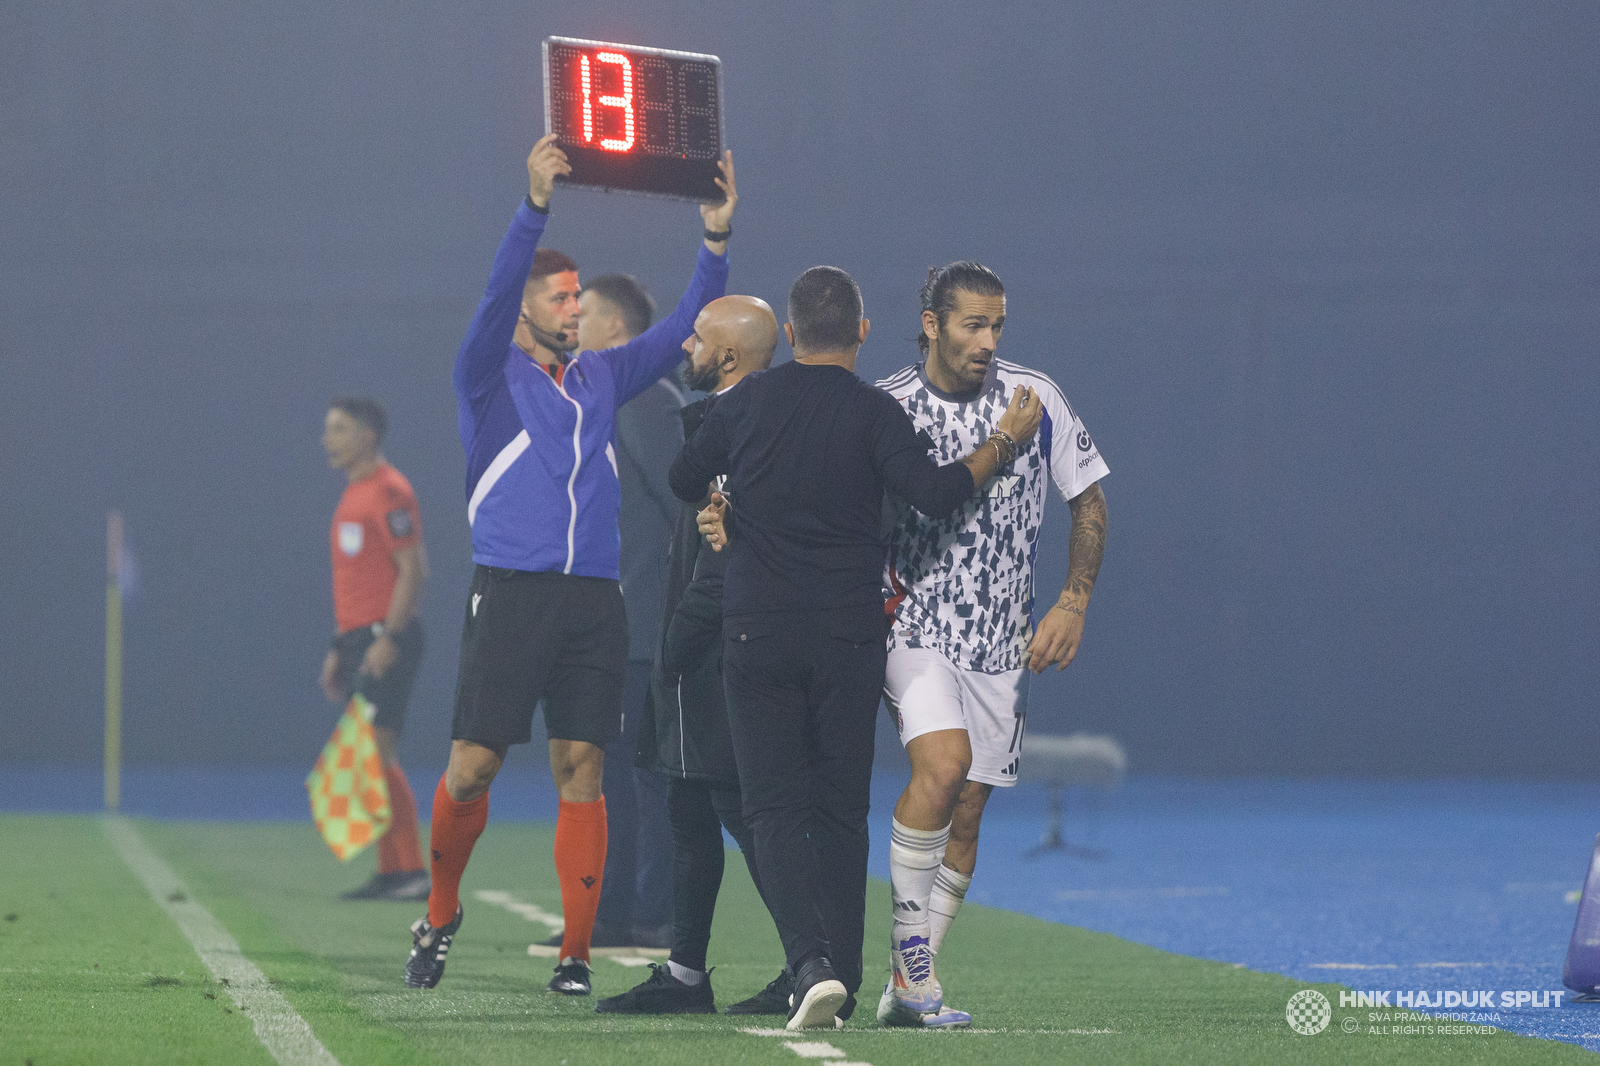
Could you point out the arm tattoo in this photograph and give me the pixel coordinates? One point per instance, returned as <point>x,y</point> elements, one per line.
<point>1088,543</point>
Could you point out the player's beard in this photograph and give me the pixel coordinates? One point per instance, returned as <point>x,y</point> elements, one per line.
<point>699,380</point>
<point>962,370</point>
<point>560,343</point>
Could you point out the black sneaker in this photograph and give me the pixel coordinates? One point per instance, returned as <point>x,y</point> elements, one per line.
<point>377,887</point>
<point>818,995</point>
<point>409,885</point>
<point>774,999</point>
<point>662,994</point>
<point>429,946</point>
<point>571,979</point>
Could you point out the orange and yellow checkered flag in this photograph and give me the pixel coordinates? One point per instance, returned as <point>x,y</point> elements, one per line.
<point>349,796</point>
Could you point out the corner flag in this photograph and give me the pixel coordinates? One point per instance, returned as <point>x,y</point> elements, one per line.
<point>349,796</point>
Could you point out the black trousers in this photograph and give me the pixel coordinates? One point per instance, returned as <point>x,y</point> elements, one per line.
<point>391,693</point>
<point>636,890</point>
<point>698,813</point>
<point>803,694</point>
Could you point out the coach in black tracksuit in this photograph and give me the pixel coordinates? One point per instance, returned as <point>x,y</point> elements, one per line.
<point>809,449</point>
<point>683,733</point>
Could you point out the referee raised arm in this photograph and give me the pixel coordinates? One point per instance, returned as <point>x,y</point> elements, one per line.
<point>809,449</point>
<point>543,620</point>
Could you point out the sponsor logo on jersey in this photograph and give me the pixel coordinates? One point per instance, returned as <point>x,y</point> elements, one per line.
<point>1084,443</point>
<point>350,538</point>
<point>1005,485</point>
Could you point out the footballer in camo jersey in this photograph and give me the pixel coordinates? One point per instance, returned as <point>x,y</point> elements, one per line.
<point>963,585</point>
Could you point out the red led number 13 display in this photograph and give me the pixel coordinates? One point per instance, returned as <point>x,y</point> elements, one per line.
<point>625,101</point>
<point>636,119</point>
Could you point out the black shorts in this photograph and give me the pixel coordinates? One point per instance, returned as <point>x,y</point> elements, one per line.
<point>390,693</point>
<point>529,638</point>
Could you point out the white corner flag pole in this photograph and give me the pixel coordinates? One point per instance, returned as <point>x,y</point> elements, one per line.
<point>113,660</point>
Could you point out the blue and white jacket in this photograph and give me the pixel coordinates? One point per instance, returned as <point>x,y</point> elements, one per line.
<point>542,491</point>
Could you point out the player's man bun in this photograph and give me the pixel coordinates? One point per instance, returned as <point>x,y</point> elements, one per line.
<point>363,409</point>
<point>825,310</point>
<point>939,292</point>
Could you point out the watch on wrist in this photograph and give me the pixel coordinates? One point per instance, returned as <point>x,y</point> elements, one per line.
<point>379,629</point>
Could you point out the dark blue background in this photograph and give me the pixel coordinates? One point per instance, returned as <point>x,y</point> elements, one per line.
<point>1324,283</point>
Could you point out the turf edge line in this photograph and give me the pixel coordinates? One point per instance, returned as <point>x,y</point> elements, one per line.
<point>279,1027</point>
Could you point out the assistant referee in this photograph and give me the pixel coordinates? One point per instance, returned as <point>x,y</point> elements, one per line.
<point>809,449</point>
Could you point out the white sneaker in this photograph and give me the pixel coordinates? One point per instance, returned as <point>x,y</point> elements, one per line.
<point>946,1018</point>
<point>893,1014</point>
<point>913,982</point>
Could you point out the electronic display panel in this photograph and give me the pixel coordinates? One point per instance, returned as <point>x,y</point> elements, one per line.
<point>644,120</point>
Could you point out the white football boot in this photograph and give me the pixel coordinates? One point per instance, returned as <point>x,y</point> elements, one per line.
<point>913,981</point>
<point>892,1014</point>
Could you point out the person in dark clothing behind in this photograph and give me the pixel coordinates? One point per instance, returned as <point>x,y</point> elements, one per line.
<point>809,449</point>
<point>636,891</point>
<point>684,734</point>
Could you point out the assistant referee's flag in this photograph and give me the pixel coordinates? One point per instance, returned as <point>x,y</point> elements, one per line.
<point>349,796</point>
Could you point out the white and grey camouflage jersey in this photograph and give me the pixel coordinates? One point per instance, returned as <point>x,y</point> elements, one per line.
<point>963,584</point>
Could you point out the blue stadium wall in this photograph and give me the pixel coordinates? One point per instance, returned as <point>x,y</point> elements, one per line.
<point>1324,284</point>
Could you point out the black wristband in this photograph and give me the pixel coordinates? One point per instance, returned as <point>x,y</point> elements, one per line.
<point>720,235</point>
<point>528,199</point>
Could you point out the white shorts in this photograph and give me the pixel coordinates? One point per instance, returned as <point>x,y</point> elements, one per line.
<point>927,692</point>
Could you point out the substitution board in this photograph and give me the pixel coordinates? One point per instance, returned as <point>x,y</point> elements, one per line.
<point>645,120</point>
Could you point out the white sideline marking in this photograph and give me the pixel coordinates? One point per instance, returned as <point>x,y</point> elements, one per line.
<point>814,1049</point>
<point>535,913</point>
<point>620,956</point>
<point>531,911</point>
<point>279,1026</point>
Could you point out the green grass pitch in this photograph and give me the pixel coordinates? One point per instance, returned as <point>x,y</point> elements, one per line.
<point>92,971</point>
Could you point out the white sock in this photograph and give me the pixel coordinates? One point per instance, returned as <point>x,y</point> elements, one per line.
<point>684,974</point>
<point>914,859</point>
<point>949,889</point>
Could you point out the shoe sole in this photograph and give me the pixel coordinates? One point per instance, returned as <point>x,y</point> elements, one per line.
<point>892,1014</point>
<point>820,1007</point>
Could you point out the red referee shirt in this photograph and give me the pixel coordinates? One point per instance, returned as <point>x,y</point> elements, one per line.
<point>376,517</point>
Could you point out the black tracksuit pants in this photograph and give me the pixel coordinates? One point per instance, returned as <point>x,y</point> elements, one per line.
<point>698,812</point>
<point>635,892</point>
<point>803,694</point>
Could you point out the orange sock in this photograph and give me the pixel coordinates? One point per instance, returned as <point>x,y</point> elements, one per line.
<point>399,849</point>
<point>580,862</point>
<point>455,829</point>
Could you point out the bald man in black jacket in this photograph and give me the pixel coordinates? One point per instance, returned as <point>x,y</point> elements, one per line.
<point>684,733</point>
<point>809,449</point>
